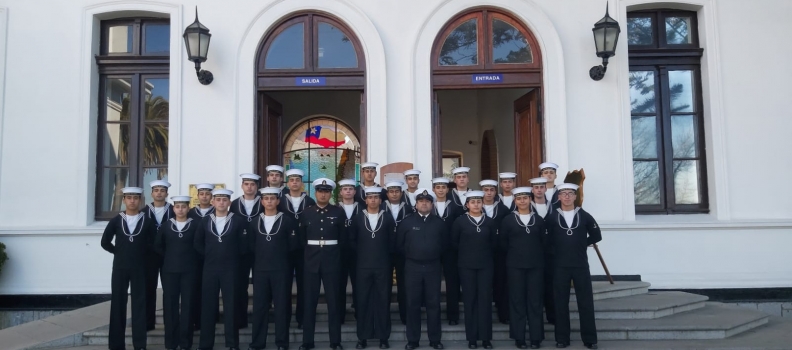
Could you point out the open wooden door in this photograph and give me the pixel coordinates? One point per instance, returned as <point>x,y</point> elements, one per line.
<point>528,136</point>
<point>268,133</point>
<point>437,138</point>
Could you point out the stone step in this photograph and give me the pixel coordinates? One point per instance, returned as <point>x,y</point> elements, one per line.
<point>713,321</point>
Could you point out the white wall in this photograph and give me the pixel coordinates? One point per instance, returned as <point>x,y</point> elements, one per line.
<point>47,116</point>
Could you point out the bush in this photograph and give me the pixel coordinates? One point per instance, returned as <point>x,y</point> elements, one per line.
<point>3,255</point>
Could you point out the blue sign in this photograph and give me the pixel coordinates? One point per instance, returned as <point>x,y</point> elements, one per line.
<point>487,78</point>
<point>310,81</point>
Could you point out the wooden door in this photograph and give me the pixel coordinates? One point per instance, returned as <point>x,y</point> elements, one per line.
<point>528,136</point>
<point>269,133</point>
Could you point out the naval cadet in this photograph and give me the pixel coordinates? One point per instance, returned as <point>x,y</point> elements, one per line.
<point>474,235</point>
<point>497,211</point>
<point>397,209</point>
<point>275,178</point>
<point>221,240</point>
<point>571,231</point>
<point>412,178</point>
<point>549,171</point>
<point>368,172</point>
<point>158,211</point>
<point>542,206</point>
<point>448,211</point>
<point>461,180</point>
<point>272,235</point>
<point>323,233</point>
<point>348,272</point>
<point>203,209</point>
<point>539,202</point>
<point>293,203</point>
<point>507,183</point>
<point>128,236</point>
<point>175,242</point>
<point>372,235</point>
<point>522,235</point>
<point>246,206</point>
<point>422,239</point>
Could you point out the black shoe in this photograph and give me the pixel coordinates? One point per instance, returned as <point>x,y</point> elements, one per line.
<point>453,322</point>
<point>535,345</point>
<point>591,346</point>
<point>306,346</point>
<point>336,346</point>
<point>561,345</point>
<point>520,345</point>
<point>411,346</point>
<point>486,344</point>
<point>437,346</point>
<point>472,345</point>
<point>261,348</point>
<point>361,344</point>
<point>384,344</point>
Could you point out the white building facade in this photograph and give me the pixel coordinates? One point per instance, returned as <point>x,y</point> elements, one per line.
<point>399,101</point>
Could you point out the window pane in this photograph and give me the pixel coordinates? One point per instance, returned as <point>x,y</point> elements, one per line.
<point>639,31</point>
<point>118,91</point>
<point>287,51</point>
<point>335,49</point>
<point>642,91</point>
<point>116,144</point>
<point>157,92</point>
<point>157,38</point>
<point>509,45</point>
<point>119,39</point>
<point>683,136</point>
<point>151,174</point>
<point>686,182</point>
<point>647,182</point>
<point>644,137</point>
<point>678,30</point>
<point>113,180</point>
<point>155,144</point>
<point>461,46</point>
<point>681,84</point>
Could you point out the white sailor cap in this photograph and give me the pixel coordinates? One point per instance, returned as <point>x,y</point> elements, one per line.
<point>176,199</point>
<point>462,169</point>
<point>132,190</point>
<point>398,184</point>
<point>294,172</point>
<point>507,175</point>
<point>488,182</point>
<point>474,195</point>
<point>347,182</point>
<point>160,183</point>
<point>277,168</point>
<point>562,187</point>
<point>324,184</point>
<point>248,176</point>
<point>547,165</point>
<point>412,172</point>
<point>441,180</point>
<point>270,190</point>
<point>369,165</point>
<point>370,191</point>
<point>424,195</point>
<point>222,192</point>
<point>538,181</point>
<point>204,187</point>
<point>519,191</point>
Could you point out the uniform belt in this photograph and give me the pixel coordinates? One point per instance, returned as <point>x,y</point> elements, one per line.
<point>323,242</point>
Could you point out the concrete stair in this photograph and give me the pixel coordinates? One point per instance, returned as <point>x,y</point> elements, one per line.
<point>625,310</point>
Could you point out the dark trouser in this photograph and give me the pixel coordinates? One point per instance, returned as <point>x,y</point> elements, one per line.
<point>214,283</point>
<point>500,287</point>
<point>525,300</point>
<point>477,298</point>
<point>120,280</point>
<point>297,260</point>
<point>178,291</point>
<point>422,282</point>
<point>373,303</point>
<point>549,296</point>
<point>581,277</point>
<point>451,274</point>
<point>401,291</point>
<point>153,265</point>
<point>196,311</point>
<point>312,283</point>
<point>271,287</point>
<point>348,273</point>
<point>242,297</point>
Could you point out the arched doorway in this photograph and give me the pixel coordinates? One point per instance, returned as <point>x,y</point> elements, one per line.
<point>487,74</point>
<point>309,57</point>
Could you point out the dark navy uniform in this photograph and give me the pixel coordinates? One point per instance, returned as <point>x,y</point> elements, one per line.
<point>571,263</point>
<point>360,194</point>
<point>348,262</point>
<point>195,214</point>
<point>130,247</point>
<point>238,208</point>
<point>524,243</point>
<point>398,262</point>
<point>323,234</point>
<point>450,259</point>
<point>223,249</point>
<point>500,280</point>
<point>154,264</point>
<point>296,257</point>
<point>476,242</point>
<point>457,199</point>
<point>272,276</point>
<point>512,206</point>
<point>549,266</point>
<point>179,282</point>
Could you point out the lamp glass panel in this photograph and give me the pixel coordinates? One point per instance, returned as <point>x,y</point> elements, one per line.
<point>204,47</point>
<point>599,39</point>
<point>611,36</point>
<point>193,45</point>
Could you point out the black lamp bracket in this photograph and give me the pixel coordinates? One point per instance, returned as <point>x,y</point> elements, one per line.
<point>598,72</point>
<point>205,77</point>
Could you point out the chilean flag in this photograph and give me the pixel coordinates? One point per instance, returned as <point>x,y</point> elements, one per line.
<point>324,137</point>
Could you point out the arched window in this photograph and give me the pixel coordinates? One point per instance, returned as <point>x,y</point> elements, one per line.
<point>322,146</point>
